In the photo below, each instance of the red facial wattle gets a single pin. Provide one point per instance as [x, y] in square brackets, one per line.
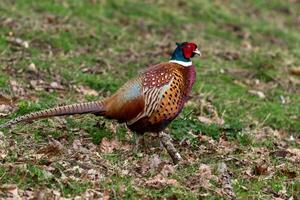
[188, 50]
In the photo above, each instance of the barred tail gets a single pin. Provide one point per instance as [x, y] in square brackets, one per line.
[95, 107]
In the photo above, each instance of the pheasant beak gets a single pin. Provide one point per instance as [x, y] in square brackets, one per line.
[197, 52]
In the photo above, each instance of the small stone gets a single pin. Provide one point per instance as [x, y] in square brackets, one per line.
[26, 44]
[54, 85]
[32, 68]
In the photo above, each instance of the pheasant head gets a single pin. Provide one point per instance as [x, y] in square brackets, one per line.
[184, 52]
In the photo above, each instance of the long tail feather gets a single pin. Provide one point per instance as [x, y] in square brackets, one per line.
[80, 108]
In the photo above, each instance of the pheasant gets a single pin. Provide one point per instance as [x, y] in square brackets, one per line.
[147, 103]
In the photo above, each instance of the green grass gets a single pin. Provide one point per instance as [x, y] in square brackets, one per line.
[101, 44]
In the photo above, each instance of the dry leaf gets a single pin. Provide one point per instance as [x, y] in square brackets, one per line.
[5, 105]
[93, 175]
[260, 169]
[142, 166]
[55, 85]
[76, 145]
[295, 71]
[16, 88]
[4, 109]
[225, 181]
[86, 91]
[289, 174]
[277, 198]
[167, 170]
[50, 150]
[19, 42]
[201, 178]
[279, 153]
[155, 162]
[92, 194]
[159, 182]
[295, 154]
[257, 93]
[3, 146]
[205, 120]
[4, 100]
[106, 195]
[107, 146]
[204, 138]
[12, 189]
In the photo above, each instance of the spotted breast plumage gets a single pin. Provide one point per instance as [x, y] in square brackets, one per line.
[165, 90]
[147, 103]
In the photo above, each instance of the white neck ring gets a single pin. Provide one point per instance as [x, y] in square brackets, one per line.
[185, 64]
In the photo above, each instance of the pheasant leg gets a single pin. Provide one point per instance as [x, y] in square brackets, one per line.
[167, 143]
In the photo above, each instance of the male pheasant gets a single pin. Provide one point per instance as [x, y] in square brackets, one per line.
[147, 103]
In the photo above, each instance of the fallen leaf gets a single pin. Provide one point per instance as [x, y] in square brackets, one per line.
[86, 91]
[50, 150]
[205, 120]
[16, 88]
[204, 138]
[201, 178]
[280, 153]
[12, 189]
[167, 170]
[295, 71]
[295, 154]
[5, 105]
[225, 181]
[92, 194]
[93, 175]
[18, 42]
[260, 169]
[257, 93]
[3, 146]
[55, 85]
[155, 162]
[4, 109]
[107, 146]
[277, 198]
[289, 174]
[159, 182]
[4, 100]
[142, 166]
[76, 145]
[106, 195]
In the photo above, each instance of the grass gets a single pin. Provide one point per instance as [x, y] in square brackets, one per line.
[100, 44]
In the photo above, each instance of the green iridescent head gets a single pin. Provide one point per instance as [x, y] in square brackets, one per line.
[185, 51]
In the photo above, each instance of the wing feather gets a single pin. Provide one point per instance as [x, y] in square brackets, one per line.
[152, 98]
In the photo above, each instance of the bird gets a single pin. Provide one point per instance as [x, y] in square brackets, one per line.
[146, 103]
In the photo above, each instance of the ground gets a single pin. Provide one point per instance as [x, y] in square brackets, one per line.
[239, 134]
